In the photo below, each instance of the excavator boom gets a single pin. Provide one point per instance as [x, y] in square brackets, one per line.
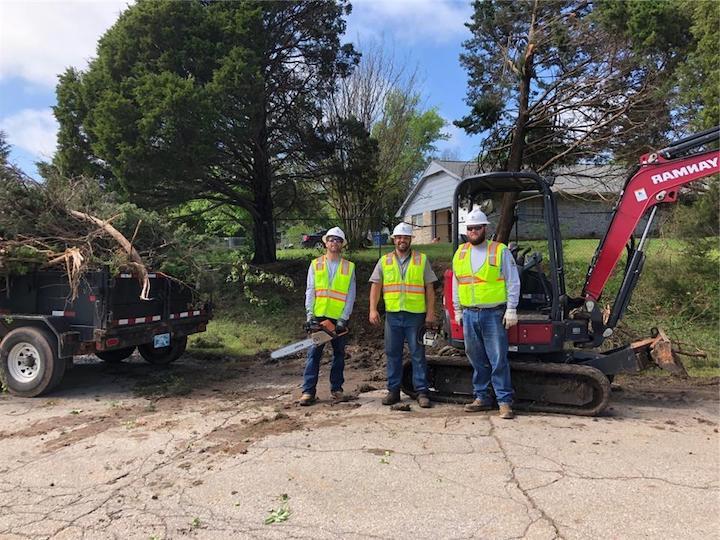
[656, 181]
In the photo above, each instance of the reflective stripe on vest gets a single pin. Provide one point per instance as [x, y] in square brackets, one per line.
[406, 294]
[487, 285]
[330, 298]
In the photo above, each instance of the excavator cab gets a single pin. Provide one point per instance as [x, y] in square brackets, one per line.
[543, 302]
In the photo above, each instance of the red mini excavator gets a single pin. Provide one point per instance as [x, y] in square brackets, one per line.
[554, 349]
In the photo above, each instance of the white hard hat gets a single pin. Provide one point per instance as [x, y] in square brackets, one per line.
[476, 217]
[402, 229]
[335, 231]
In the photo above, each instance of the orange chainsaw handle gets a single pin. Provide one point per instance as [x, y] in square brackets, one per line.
[329, 327]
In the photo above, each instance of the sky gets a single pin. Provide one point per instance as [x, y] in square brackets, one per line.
[40, 39]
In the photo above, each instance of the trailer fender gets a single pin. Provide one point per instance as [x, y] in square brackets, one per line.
[67, 341]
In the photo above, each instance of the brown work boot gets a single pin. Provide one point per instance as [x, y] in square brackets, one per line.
[506, 411]
[307, 399]
[391, 398]
[478, 405]
[424, 401]
[338, 396]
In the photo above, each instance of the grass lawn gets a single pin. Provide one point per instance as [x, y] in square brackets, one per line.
[226, 336]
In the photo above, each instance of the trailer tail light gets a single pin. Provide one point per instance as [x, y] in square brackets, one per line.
[112, 342]
[305, 238]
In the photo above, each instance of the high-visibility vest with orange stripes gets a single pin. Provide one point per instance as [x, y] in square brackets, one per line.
[404, 294]
[487, 285]
[330, 298]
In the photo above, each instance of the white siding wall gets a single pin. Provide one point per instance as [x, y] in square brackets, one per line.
[436, 192]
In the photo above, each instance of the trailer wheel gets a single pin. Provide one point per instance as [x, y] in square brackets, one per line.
[115, 356]
[163, 355]
[29, 362]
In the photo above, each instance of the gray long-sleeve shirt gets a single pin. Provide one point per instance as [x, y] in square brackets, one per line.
[310, 289]
[478, 254]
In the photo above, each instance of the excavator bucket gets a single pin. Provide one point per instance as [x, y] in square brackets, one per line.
[658, 349]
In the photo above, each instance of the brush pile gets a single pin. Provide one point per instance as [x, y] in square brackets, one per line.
[74, 225]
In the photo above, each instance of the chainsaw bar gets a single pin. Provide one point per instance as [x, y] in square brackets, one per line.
[316, 338]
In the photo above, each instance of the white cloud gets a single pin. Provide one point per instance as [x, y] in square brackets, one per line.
[40, 39]
[466, 147]
[32, 130]
[410, 21]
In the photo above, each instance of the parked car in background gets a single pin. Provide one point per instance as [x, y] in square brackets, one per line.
[311, 240]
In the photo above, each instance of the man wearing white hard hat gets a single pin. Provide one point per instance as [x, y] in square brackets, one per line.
[406, 279]
[329, 294]
[486, 291]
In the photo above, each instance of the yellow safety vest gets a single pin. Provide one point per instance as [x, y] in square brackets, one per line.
[330, 298]
[487, 285]
[404, 294]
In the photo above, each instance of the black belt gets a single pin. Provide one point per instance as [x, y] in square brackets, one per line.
[477, 308]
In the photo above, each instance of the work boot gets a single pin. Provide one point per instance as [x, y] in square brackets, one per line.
[338, 396]
[392, 397]
[307, 399]
[506, 411]
[424, 401]
[478, 405]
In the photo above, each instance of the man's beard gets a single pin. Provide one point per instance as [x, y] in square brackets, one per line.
[479, 240]
[402, 248]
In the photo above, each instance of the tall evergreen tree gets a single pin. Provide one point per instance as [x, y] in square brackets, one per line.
[205, 100]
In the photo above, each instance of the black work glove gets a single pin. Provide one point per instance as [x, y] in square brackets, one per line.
[341, 326]
[311, 324]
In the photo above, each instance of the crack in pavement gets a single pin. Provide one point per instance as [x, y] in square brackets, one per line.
[516, 482]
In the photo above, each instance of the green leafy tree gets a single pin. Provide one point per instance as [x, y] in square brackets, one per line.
[554, 82]
[700, 74]
[205, 100]
[4, 149]
[348, 158]
[406, 137]
[385, 99]
[687, 29]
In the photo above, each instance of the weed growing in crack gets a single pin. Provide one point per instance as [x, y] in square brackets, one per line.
[384, 460]
[280, 514]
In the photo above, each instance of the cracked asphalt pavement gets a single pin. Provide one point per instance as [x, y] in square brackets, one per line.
[212, 449]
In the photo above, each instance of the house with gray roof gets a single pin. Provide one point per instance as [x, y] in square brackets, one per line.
[585, 196]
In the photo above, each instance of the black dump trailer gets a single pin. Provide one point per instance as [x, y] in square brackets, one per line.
[42, 328]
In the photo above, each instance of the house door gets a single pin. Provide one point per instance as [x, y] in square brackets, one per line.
[442, 225]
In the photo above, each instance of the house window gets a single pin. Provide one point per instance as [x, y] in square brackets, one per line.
[417, 220]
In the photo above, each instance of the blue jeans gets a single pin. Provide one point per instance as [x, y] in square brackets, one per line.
[400, 327]
[312, 366]
[486, 346]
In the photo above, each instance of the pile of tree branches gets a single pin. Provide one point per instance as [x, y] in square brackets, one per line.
[74, 225]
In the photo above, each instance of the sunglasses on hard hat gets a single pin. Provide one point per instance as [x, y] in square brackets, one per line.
[475, 227]
[334, 239]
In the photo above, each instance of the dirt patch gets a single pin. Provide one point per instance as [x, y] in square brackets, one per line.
[667, 388]
[74, 427]
[235, 438]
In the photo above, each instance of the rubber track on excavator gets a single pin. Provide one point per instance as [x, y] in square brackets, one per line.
[539, 386]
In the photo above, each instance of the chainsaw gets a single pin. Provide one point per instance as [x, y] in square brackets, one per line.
[319, 334]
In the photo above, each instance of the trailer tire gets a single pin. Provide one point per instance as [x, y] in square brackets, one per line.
[164, 355]
[115, 356]
[29, 362]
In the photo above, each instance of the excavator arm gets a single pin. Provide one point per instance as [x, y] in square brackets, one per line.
[657, 180]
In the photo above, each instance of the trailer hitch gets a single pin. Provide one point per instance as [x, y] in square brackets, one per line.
[657, 349]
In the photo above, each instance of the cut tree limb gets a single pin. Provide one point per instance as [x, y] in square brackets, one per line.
[135, 259]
